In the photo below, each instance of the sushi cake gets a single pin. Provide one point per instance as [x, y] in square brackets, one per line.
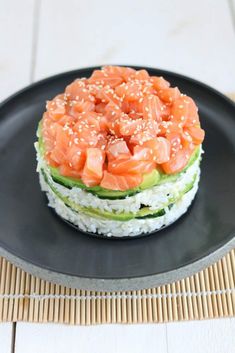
[119, 152]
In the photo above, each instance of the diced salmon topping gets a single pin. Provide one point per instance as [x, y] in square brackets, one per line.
[120, 182]
[93, 170]
[119, 124]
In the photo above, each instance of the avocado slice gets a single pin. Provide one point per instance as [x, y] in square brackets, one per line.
[150, 180]
[156, 177]
[144, 212]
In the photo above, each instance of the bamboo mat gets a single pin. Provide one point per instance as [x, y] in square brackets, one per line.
[208, 294]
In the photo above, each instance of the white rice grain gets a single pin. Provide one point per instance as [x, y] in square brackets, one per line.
[110, 228]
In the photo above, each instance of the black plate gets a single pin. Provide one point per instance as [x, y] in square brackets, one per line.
[37, 240]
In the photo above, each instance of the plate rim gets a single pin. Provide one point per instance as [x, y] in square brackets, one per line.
[120, 284]
[134, 282]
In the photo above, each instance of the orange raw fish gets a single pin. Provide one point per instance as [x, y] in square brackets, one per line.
[169, 95]
[160, 147]
[185, 111]
[76, 157]
[118, 149]
[120, 182]
[67, 171]
[152, 108]
[159, 83]
[197, 134]
[177, 162]
[93, 169]
[117, 125]
[133, 166]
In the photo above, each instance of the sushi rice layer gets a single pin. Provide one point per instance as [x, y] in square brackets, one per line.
[110, 228]
[159, 197]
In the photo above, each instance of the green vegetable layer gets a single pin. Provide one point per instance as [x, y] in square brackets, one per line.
[144, 212]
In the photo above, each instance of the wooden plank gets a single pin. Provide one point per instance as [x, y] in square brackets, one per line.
[215, 336]
[5, 337]
[49, 338]
[16, 24]
[175, 35]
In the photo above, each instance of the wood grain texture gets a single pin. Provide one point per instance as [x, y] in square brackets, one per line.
[5, 337]
[60, 339]
[190, 37]
[215, 336]
[16, 30]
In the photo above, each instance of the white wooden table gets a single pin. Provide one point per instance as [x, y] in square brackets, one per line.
[43, 37]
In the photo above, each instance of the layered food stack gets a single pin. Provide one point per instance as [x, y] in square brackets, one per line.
[119, 152]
